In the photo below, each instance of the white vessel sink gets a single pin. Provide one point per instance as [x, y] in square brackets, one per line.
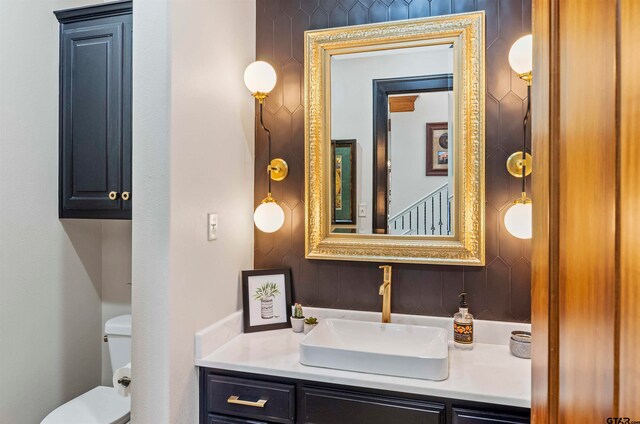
[390, 349]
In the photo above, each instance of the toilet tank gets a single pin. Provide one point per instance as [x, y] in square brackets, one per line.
[118, 331]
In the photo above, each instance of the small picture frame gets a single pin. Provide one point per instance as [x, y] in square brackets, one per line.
[437, 149]
[266, 299]
[343, 188]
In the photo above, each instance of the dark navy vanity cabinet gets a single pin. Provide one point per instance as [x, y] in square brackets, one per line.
[230, 398]
[95, 111]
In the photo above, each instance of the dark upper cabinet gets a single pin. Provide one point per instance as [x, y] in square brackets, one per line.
[95, 111]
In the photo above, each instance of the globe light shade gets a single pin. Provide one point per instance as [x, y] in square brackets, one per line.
[269, 217]
[260, 77]
[518, 220]
[521, 55]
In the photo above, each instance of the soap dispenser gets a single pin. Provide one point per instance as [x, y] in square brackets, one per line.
[463, 326]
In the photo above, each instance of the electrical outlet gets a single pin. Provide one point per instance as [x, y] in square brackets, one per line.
[362, 210]
[212, 226]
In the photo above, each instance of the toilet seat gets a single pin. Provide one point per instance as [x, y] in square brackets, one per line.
[100, 405]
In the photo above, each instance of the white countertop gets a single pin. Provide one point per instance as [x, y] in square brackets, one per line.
[488, 373]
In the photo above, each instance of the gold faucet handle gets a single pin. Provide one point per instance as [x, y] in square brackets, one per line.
[386, 279]
[387, 272]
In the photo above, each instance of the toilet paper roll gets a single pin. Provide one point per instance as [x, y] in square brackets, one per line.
[121, 387]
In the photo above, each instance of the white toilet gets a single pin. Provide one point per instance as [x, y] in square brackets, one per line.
[101, 405]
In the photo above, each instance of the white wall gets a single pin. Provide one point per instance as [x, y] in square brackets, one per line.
[50, 270]
[193, 154]
[150, 234]
[116, 280]
[408, 150]
[352, 102]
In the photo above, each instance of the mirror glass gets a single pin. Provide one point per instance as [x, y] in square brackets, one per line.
[392, 141]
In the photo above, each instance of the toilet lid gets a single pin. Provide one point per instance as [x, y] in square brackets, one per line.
[101, 405]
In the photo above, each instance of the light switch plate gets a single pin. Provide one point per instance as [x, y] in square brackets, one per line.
[212, 226]
[362, 210]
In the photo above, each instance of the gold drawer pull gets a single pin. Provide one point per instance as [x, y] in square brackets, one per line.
[125, 195]
[113, 195]
[236, 400]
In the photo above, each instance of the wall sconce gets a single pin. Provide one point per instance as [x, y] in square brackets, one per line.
[518, 218]
[260, 78]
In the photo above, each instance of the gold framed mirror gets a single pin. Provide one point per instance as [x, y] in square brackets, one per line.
[394, 141]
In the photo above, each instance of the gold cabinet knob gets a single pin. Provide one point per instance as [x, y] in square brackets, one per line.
[113, 195]
[126, 195]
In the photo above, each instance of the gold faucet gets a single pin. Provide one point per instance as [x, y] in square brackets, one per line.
[385, 292]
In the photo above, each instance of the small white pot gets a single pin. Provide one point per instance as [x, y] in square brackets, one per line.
[308, 327]
[297, 324]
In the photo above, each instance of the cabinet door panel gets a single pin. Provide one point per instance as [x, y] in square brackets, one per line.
[92, 136]
[221, 419]
[467, 416]
[279, 399]
[127, 113]
[324, 406]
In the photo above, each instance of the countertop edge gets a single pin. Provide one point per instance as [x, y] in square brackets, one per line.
[354, 382]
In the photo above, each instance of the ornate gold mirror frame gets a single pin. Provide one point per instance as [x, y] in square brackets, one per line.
[467, 246]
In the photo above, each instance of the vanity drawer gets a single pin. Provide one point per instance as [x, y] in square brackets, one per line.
[259, 400]
[325, 406]
[470, 416]
[220, 419]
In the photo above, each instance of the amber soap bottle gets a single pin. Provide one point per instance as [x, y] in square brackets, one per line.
[463, 326]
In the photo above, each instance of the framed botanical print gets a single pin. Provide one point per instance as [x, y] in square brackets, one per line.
[343, 188]
[437, 149]
[266, 299]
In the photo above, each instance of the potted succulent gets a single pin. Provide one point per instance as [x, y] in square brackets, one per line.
[265, 294]
[297, 319]
[309, 324]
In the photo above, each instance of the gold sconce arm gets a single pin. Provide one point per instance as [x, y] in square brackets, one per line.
[527, 77]
[278, 169]
[515, 164]
[260, 96]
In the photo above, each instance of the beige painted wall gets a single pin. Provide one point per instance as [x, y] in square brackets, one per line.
[193, 154]
[408, 150]
[116, 280]
[50, 270]
[150, 237]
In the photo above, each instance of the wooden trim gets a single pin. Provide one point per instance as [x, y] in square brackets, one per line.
[585, 253]
[545, 193]
[587, 178]
[93, 12]
[399, 104]
[628, 372]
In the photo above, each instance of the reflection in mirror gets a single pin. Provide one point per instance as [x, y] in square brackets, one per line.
[393, 148]
[343, 153]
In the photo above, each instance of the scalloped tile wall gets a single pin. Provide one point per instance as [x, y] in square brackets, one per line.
[499, 291]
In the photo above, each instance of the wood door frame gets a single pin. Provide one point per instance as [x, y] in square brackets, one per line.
[584, 278]
[628, 227]
[544, 264]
